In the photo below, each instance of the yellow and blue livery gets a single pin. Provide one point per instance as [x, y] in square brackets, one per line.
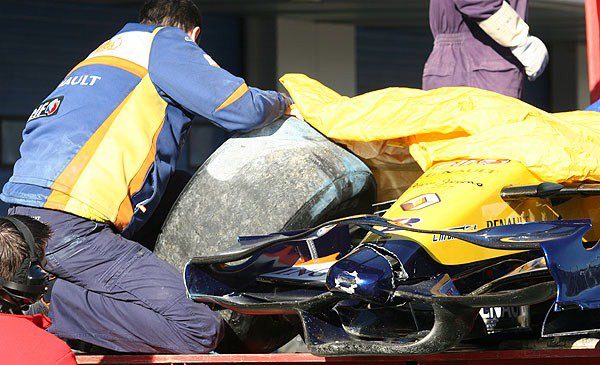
[104, 143]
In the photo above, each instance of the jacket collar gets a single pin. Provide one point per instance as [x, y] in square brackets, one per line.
[137, 27]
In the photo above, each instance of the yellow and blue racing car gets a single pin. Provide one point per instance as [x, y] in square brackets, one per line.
[405, 288]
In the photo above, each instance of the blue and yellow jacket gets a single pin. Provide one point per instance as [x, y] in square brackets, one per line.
[104, 143]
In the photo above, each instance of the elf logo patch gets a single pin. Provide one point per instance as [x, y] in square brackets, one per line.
[46, 108]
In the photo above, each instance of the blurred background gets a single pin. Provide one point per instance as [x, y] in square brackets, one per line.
[352, 46]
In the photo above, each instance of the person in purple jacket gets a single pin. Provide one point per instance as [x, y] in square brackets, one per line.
[484, 44]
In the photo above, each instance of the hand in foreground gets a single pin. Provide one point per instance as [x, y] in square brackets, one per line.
[293, 111]
[533, 55]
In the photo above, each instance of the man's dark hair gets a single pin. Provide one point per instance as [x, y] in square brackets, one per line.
[183, 14]
[14, 249]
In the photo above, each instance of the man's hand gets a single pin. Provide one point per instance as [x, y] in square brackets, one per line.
[293, 111]
[533, 55]
[508, 29]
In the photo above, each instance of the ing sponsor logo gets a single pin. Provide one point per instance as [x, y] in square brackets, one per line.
[109, 45]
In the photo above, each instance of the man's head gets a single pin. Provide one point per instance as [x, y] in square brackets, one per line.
[13, 248]
[183, 14]
[21, 281]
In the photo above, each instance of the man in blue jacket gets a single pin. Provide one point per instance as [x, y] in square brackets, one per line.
[96, 157]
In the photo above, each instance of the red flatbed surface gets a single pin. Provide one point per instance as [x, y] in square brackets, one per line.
[512, 357]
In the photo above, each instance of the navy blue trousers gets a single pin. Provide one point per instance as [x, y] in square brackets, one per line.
[114, 293]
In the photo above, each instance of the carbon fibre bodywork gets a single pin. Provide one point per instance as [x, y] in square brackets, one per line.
[386, 294]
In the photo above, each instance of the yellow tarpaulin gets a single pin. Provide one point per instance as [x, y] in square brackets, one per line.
[453, 123]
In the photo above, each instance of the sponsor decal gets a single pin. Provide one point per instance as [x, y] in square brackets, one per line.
[457, 182]
[448, 182]
[411, 222]
[306, 272]
[109, 45]
[420, 202]
[471, 162]
[469, 170]
[507, 221]
[83, 80]
[501, 319]
[498, 312]
[323, 230]
[312, 248]
[46, 108]
[347, 282]
[444, 237]
[493, 162]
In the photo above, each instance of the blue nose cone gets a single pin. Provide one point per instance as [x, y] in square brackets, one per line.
[368, 272]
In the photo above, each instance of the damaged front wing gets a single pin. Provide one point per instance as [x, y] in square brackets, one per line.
[229, 280]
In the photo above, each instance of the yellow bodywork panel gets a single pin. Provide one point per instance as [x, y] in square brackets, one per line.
[471, 143]
[465, 195]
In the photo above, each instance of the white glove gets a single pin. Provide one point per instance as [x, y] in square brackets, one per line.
[533, 55]
[509, 30]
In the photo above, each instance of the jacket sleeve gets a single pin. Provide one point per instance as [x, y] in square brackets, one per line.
[478, 10]
[188, 76]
